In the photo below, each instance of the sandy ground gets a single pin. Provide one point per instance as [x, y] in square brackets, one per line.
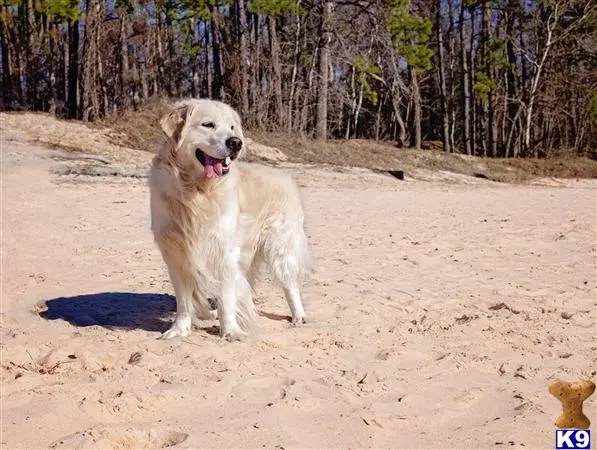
[438, 312]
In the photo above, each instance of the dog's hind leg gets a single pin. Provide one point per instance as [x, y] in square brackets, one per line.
[293, 297]
[288, 258]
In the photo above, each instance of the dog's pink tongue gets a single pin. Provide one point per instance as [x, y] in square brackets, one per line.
[213, 167]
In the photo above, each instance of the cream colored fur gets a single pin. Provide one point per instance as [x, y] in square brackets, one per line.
[214, 234]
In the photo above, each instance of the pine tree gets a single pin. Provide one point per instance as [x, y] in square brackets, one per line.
[411, 37]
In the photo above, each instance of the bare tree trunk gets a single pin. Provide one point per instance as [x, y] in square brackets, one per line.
[277, 70]
[324, 62]
[521, 44]
[357, 111]
[442, 78]
[378, 119]
[194, 62]
[353, 102]
[52, 66]
[256, 80]
[452, 71]
[496, 118]
[15, 40]
[173, 86]
[143, 61]
[208, 62]
[49, 81]
[466, 92]
[150, 64]
[485, 65]
[244, 58]
[144, 81]
[89, 99]
[416, 138]
[100, 93]
[65, 69]
[551, 23]
[124, 62]
[471, 79]
[511, 81]
[218, 82]
[135, 81]
[297, 120]
[6, 68]
[402, 132]
[160, 76]
[297, 53]
[489, 72]
[26, 46]
[100, 69]
[73, 69]
[306, 97]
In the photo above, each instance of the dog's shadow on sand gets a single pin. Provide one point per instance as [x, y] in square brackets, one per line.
[123, 310]
[118, 310]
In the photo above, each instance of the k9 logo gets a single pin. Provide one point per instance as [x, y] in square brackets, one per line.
[573, 439]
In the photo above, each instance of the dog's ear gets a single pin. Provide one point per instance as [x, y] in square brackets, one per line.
[173, 122]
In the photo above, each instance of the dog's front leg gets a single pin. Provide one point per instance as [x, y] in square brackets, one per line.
[183, 289]
[235, 302]
[227, 309]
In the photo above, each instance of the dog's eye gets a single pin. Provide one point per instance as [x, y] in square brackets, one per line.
[208, 125]
[232, 127]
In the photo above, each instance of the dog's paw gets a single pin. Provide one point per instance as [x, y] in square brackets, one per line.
[235, 335]
[172, 333]
[180, 328]
[298, 320]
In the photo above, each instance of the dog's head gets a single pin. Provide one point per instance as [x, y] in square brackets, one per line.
[206, 135]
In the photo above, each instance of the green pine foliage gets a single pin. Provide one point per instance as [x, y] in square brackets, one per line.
[60, 10]
[364, 71]
[275, 7]
[411, 35]
[483, 86]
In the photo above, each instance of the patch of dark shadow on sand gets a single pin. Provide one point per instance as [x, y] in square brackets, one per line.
[277, 317]
[114, 310]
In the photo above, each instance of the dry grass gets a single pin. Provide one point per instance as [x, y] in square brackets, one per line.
[69, 135]
[382, 156]
[140, 130]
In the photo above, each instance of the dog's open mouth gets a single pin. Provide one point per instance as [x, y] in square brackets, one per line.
[213, 167]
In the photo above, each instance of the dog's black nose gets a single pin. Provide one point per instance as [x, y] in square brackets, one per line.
[234, 144]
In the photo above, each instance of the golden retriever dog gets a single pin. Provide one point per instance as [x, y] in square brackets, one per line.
[217, 220]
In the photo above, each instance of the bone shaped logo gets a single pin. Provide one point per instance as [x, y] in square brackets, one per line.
[572, 395]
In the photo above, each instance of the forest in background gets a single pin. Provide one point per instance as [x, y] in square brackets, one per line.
[496, 78]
